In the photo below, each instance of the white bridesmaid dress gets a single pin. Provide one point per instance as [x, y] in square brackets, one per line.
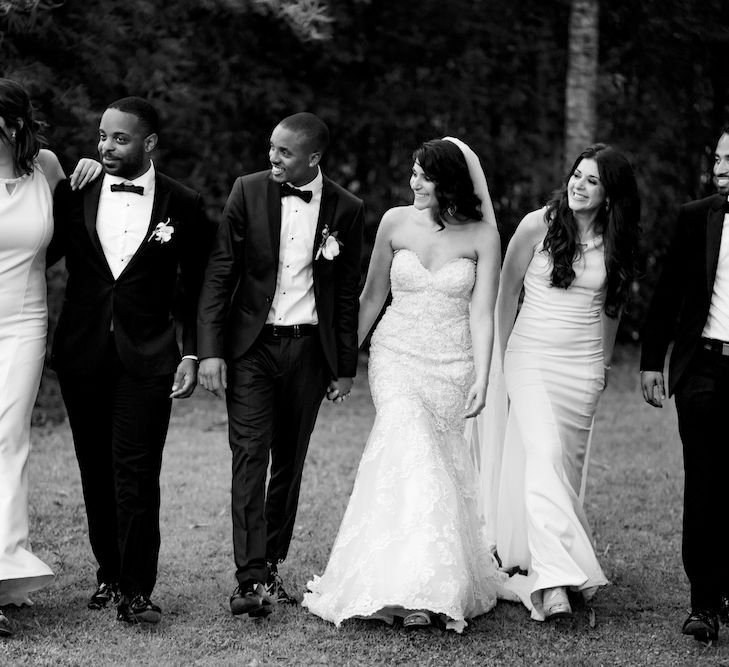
[554, 376]
[26, 228]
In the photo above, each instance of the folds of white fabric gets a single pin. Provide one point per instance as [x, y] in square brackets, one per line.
[411, 537]
[541, 525]
[20, 367]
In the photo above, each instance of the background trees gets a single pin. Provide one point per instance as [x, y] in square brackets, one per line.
[386, 75]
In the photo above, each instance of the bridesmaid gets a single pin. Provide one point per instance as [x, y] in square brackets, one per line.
[575, 260]
[28, 177]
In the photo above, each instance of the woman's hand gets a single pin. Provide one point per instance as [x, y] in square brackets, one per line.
[475, 400]
[86, 170]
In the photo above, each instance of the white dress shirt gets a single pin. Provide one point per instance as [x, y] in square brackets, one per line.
[293, 300]
[717, 324]
[123, 218]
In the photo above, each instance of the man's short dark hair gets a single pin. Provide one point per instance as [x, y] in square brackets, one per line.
[141, 109]
[311, 126]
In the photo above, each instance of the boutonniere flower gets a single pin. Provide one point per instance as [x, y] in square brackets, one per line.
[162, 233]
[329, 246]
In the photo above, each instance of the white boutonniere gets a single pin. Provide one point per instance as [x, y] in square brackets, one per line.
[329, 246]
[162, 233]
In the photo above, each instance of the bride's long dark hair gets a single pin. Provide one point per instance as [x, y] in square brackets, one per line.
[618, 221]
[444, 164]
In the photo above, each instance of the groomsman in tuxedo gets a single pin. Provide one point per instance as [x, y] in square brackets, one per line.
[125, 238]
[691, 306]
[277, 330]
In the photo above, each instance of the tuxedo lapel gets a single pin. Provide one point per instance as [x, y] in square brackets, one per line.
[159, 206]
[92, 194]
[327, 209]
[714, 225]
[273, 206]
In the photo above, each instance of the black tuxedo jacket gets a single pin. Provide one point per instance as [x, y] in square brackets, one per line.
[240, 280]
[140, 301]
[680, 304]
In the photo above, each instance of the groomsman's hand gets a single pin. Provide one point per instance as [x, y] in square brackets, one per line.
[213, 375]
[185, 379]
[654, 392]
[339, 389]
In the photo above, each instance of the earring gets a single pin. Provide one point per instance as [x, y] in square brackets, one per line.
[607, 205]
[12, 137]
[451, 210]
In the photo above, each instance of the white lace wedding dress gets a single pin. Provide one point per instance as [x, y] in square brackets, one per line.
[412, 537]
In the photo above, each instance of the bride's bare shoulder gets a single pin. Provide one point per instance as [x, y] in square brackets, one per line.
[398, 214]
[397, 218]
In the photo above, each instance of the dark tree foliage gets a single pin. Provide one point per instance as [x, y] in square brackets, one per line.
[387, 75]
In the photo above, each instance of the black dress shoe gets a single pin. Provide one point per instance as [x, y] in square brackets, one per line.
[105, 593]
[724, 609]
[5, 629]
[276, 590]
[252, 599]
[702, 624]
[138, 609]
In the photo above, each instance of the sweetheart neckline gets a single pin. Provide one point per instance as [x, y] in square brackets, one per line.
[440, 268]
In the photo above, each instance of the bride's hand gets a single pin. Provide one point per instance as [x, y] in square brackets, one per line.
[475, 400]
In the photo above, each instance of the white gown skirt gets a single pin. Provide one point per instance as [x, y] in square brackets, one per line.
[542, 527]
[21, 364]
[411, 537]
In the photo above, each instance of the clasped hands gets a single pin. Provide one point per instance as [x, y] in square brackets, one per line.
[339, 389]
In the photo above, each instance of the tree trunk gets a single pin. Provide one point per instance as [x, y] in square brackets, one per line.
[581, 90]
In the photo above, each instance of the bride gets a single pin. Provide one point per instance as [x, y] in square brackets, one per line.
[412, 544]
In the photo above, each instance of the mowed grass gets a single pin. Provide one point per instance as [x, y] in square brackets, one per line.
[633, 501]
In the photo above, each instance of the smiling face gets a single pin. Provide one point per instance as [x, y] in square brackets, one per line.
[423, 189]
[721, 165]
[585, 191]
[124, 144]
[292, 158]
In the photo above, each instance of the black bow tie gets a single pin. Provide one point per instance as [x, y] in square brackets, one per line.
[289, 190]
[126, 187]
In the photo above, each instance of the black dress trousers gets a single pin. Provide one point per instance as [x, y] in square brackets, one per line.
[273, 396]
[702, 401]
[119, 424]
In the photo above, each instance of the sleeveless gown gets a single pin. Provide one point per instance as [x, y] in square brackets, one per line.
[554, 376]
[412, 537]
[26, 227]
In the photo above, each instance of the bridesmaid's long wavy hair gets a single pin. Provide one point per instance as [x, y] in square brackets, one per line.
[444, 164]
[17, 112]
[618, 221]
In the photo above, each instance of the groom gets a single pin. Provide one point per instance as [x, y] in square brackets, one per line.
[277, 330]
[125, 238]
[692, 300]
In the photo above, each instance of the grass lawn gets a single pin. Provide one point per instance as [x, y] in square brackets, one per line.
[633, 501]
